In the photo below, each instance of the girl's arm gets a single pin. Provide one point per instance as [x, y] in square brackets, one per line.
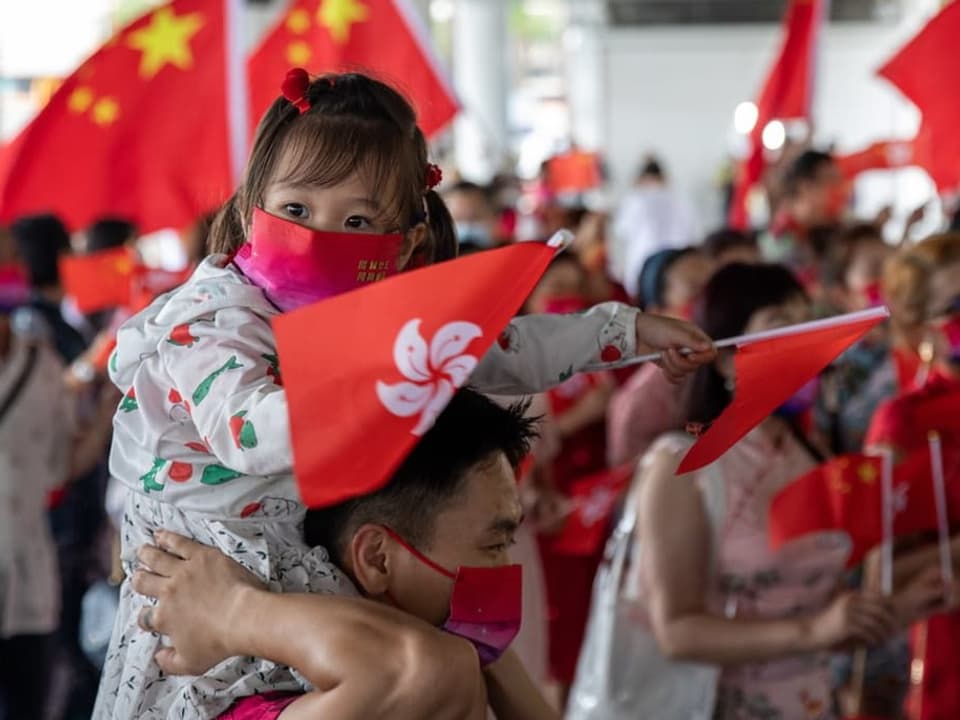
[675, 537]
[536, 352]
[366, 660]
[225, 370]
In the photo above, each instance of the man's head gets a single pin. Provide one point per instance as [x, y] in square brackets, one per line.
[454, 499]
[41, 240]
[108, 233]
[473, 212]
[815, 192]
[650, 173]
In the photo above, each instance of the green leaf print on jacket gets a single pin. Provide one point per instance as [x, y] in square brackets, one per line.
[274, 370]
[129, 402]
[218, 474]
[203, 389]
[149, 478]
[242, 431]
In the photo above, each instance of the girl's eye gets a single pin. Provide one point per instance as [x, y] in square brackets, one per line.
[357, 222]
[295, 210]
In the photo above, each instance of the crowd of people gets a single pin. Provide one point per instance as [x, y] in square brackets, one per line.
[156, 559]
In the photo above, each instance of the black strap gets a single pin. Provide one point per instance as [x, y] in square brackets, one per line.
[20, 383]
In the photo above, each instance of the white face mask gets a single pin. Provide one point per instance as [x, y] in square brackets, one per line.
[474, 233]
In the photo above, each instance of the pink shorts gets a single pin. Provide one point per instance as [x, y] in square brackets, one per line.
[259, 707]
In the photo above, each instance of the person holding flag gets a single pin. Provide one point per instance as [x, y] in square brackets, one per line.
[338, 194]
[923, 289]
[694, 616]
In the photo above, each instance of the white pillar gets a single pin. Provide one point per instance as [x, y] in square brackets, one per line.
[585, 69]
[480, 78]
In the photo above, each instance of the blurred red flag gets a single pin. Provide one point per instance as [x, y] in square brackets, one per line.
[881, 155]
[138, 131]
[919, 71]
[368, 372]
[99, 280]
[846, 494]
[575, 171]
[381, 37]
[787, 94]
[768, 372]
[594, 499]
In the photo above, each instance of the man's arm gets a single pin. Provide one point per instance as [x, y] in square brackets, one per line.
[366, 660]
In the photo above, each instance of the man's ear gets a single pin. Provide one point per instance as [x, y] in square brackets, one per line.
[370, 559]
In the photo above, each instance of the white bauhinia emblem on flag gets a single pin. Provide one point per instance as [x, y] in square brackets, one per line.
[433, 372]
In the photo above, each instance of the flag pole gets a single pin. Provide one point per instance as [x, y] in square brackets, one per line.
[943, 527]
[886, 550]
[743, 340]
[238, 126]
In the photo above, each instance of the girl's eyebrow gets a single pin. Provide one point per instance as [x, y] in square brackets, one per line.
[369, 202]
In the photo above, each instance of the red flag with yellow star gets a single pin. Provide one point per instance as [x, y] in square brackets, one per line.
[380, 37]
[138, 131]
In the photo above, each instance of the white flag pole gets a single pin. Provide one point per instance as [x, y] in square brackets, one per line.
[237, 100]
[742, 340]
[943, 527]
[889, 512]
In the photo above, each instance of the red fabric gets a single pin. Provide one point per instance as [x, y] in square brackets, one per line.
[380, 37]
[918, 71]
[259, 707]
[574, 171]
[787, 93]
[138, 131]
[768, 373]
[845, 494]
[99, 280]
[907, 364]
[405, 342]
[937, 697]
[882, 155]
[594, 499]
[904, 421]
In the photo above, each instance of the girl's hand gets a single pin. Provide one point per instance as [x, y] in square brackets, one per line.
[924, 595]
[199, 593]
[853, 617]
[666, 335]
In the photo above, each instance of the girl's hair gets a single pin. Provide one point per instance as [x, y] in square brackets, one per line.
[906, 278]
[732, 296]
[354, 124]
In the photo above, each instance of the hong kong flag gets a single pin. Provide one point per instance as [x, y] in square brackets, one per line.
[368, 372]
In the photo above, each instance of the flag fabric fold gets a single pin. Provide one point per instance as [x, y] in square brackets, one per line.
[768, 372]
[368, 372]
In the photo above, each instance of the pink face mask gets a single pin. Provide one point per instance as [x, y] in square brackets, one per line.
[486, 605]
[296, 266]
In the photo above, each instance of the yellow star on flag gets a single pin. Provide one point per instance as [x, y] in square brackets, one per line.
[298, 53]
[165, 41]
[105, 111]
[338, 16]
[298, 21]
[80, 99]
[867, 473]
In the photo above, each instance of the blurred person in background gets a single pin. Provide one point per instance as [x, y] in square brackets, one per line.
[922, 287]
[854, 385]
[648, 405]
[652, 217]
[194, 239]
[726, 246]
[474, 216]
[705, 620]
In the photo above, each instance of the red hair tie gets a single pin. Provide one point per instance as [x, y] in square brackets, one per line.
[294, 89]
[434, 176]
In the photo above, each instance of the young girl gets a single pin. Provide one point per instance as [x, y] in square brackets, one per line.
[338, 192]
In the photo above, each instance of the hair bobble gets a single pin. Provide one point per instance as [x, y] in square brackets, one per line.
[294, 89]
[434, 176]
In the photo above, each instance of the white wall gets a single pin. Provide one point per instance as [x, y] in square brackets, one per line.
[673, 90]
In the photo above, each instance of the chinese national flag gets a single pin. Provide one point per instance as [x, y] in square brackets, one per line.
[846, 494]
[575, 171]
[379, 37]
[787, 94]
[138, 131]
[881, 155]
[767, 374]
[367, 372]
[919, 71]
[99, 280]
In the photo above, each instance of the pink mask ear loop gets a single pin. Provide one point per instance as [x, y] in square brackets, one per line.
[418, 555]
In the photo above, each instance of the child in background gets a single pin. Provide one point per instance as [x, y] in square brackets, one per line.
[338, 176]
